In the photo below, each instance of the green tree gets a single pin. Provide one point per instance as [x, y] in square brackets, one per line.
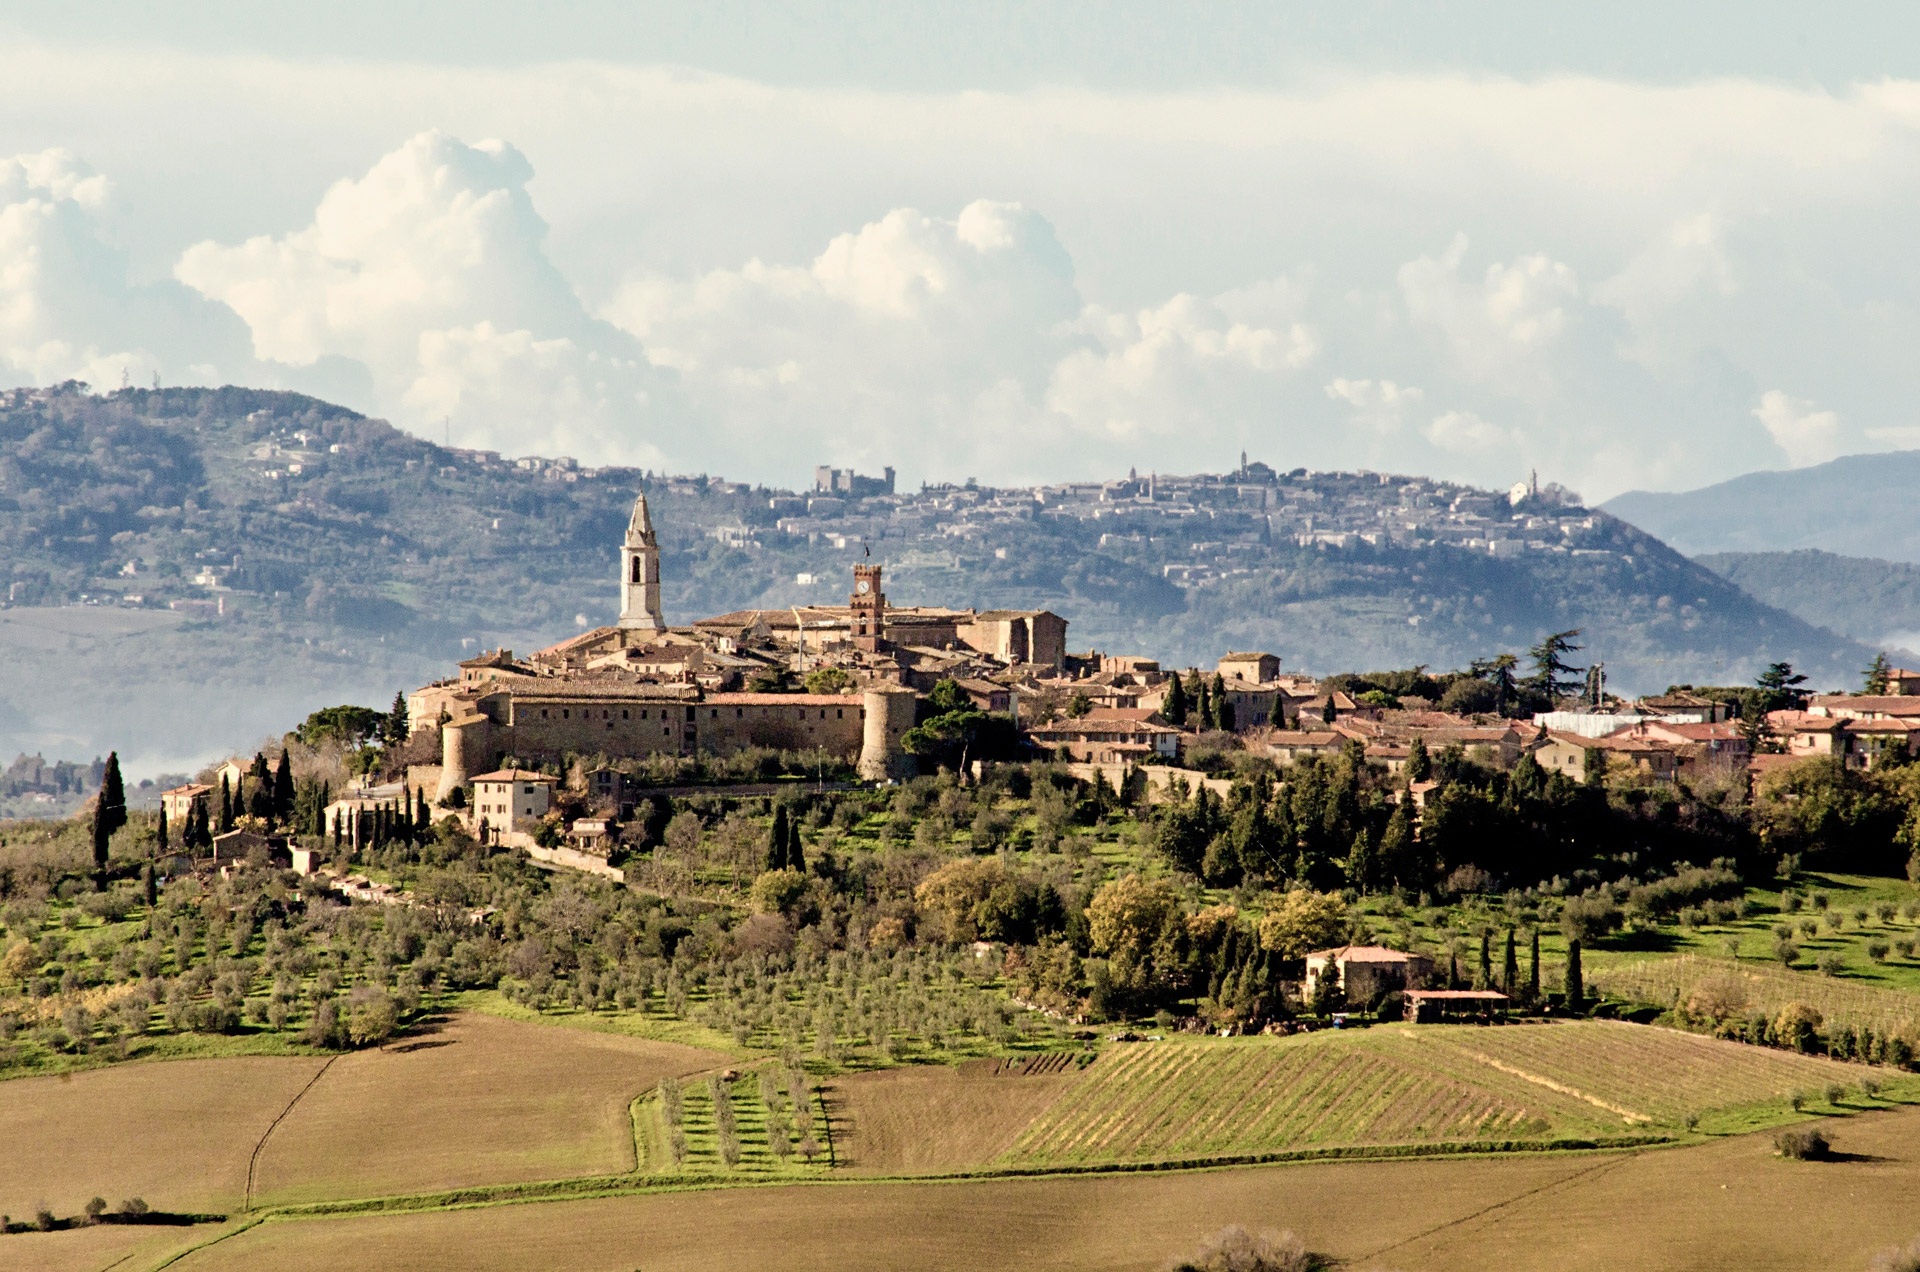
[1533, 966]
[1419, 763]
[777, 837]
[1500, 673]
[109, 814]
[1203, 705]
[828, 680]
[1301, 921]
[1277, 717]
[1875, 676]
[1553, 676]
[1576, 983]
[283, 788]
[1398, 864]
[1780, 689]
[1078, 705]
[1175, 707]
[1510, 968]
[394, 727]
[347, 726]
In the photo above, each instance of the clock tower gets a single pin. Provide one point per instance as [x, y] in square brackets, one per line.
[869, 609]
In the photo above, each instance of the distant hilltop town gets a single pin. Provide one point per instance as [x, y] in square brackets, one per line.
[853, 680]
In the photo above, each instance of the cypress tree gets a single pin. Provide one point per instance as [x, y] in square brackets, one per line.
[1175, 706]
[1229, 719]
[160, 833]
[227, 799]
[1510, 968]
[150, 885]
[283, 788]
[1222, 709]
[1362, 866]
[796, 848]
[101, 836]
[422, 819]
[777, 839]
[1486, 961]
[1576, 984]
[320, 813]
[1203, 706]
[1533, 967]
[1278, 716]
[1419, 763]
[113, 794]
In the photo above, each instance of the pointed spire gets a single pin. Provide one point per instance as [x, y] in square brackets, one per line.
[640, 525]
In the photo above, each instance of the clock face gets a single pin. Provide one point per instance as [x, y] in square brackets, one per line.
[864, 586]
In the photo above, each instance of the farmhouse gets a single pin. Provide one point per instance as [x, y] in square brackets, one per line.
[504, 799]
[1365, 972]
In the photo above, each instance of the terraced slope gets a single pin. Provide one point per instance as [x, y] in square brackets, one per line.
[1202, 1098]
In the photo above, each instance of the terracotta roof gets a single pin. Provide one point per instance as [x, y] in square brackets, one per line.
[1304, 737]
[1368, 954]
[1459, 995]
[516, 775]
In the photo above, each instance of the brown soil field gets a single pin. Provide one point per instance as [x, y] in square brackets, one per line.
[91, 1249]
[176, 1133]
[1728, 1204]
[478, 1100]
[929, 1120]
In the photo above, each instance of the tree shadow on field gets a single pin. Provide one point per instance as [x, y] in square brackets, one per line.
[422, 1035]
[1643, 941]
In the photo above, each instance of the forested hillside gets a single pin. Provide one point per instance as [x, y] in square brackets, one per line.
[186, 569]
[1877, 602]
[1857, 505]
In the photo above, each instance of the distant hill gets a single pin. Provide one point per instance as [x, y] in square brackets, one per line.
[186, 570]
[1875, 602]
[1859, 505]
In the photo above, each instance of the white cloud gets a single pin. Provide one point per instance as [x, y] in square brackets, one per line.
[430, 271]
[964, 345]
[66, 309]
[1745, 233]
[1464, 433]
[1379, 405]
[1498, 326]
[1805, 434]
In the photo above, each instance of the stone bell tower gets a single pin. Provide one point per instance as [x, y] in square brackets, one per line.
[640, 572]
[868, 606]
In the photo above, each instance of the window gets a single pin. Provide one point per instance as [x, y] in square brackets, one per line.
[566, 713]
[624, 715]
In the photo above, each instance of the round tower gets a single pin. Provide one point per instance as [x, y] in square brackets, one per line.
[887, 715]
[463, 744]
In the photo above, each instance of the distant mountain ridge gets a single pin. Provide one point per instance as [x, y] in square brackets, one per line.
[191, 568]
[1873, 601]
[1857, 505]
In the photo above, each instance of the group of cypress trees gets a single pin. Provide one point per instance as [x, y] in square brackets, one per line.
[1204, 704]
[784, 849]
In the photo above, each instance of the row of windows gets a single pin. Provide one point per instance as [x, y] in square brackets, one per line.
[606, 713]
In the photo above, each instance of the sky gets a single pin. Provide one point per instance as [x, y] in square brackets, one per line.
[1619, 245]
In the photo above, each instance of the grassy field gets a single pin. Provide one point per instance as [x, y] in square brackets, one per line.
[1389, 1086]
[177, 1134]
[1725, 1204]
[480, 1100]
[934, 1119]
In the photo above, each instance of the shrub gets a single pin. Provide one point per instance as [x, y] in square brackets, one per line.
[1878, 950]
[133, 1206]
[1237, 1250]
[96, 1208]
[1830, 965]
[1804, 1145]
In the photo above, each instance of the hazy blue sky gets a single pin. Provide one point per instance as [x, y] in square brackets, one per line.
[1630, 244]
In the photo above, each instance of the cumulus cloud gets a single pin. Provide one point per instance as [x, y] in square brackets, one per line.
[965, 341]
[67, 310]
[430, 271]
[1804, 433]
[1464, 433]
[1497, 326]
